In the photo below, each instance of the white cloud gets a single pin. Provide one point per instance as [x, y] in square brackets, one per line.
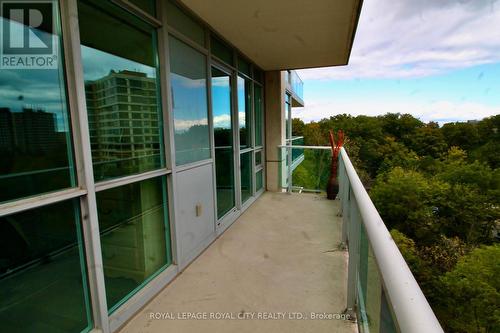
[439, 111]
[182, 125]
[409, 38]
[222, 121]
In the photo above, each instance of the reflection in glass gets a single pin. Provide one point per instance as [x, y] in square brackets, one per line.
[43, 284]
[259, 116]
[258, 180]
[258, 157]
[223, 134]
[121, 91]
[35, 135]
[246, 176]
[244, 112]
[189, 101]
[134, 236]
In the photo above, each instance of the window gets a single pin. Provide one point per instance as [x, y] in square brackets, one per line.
[134, 236]
[223, 135]
[146, 5]
[258, 75]
[259, 116]
[35, 133]
[245, 112]
[221, 50]
[181, 22]
[189, 101]
[131, 61]
[246, 176]
[43, 286]
[244, 66]
[258, 157]
[258, 180]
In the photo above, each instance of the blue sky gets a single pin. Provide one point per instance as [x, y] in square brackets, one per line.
[438, 60]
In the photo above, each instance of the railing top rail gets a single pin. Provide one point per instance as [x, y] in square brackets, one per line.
[410, 307]
[306, 147]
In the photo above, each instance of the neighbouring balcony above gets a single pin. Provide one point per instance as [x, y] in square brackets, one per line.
[295, 87]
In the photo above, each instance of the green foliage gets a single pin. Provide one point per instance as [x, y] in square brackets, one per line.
[463, 135]
[405, 200]
[471, 291]
[428, 140]
[438, 191]
[408, 249]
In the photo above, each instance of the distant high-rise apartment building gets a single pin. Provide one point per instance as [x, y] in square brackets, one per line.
[123, 117]
[31, 131]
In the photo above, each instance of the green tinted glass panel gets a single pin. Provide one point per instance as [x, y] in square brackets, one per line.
[43, 285]
[245, 112]
[258, 180]
[189, 101]
[258, 157]
[246, 175]
[287, 111]
[221, 50]
[149, 6]
[387, 322]
[259, 115]
[134, 236]
[244, 66]
[122, 91]
[223, 135]
[35, 134]
[183, 23]
[258, 75]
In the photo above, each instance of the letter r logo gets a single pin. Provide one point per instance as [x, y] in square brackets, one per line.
[27, 27]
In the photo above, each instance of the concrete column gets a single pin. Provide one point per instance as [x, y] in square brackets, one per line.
[275, 127]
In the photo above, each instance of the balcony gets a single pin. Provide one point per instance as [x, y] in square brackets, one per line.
[281, 256]
[295, 87]
[297, 255]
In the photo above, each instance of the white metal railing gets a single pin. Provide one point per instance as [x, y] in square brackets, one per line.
[382, 291]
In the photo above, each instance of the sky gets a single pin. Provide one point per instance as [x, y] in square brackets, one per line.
[438, 60]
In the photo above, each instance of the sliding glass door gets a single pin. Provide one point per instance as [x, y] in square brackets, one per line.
[223, 141]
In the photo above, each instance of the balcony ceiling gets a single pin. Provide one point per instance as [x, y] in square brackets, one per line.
[284, 34]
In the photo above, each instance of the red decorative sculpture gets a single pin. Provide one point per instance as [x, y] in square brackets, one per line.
[332, 188]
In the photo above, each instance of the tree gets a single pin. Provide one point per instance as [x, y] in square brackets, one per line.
[428, 140]
[297, 127]
[400, 126]
[405, 200]
[459, 134]
[471, 293]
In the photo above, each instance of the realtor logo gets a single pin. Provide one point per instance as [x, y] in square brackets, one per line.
[28, 38]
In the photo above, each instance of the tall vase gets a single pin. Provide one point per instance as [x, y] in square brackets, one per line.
[332, 188]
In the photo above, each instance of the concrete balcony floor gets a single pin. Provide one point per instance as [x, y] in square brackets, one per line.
[280, 256]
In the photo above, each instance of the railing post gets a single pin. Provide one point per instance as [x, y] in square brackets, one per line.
[289, 168]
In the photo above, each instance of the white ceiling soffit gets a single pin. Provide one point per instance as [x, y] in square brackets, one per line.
[284, 34]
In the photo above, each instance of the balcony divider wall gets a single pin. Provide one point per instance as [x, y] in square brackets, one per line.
[115, 190]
